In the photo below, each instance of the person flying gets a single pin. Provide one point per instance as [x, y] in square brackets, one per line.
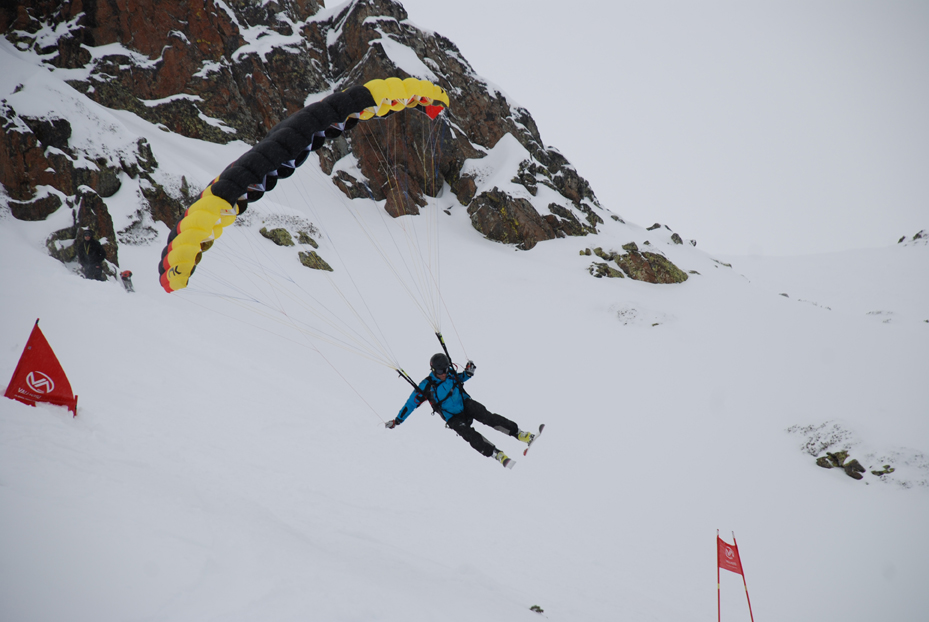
[444, 391]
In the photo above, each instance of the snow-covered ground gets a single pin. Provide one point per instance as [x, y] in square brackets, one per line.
[225, 466]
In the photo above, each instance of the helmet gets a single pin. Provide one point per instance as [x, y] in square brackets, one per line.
[439, 363]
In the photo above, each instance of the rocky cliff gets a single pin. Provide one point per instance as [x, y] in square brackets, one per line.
[220, 71]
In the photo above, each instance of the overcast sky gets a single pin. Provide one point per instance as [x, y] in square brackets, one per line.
[773, 128]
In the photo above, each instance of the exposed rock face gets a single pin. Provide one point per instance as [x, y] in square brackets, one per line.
[232, 70]
[640, 266]
[41, 172]
[651, 268]
[36, 152]
[920, 238]
[279, 236]
[423, 154]
[172, 47]
[314, 261]
[852, 468]
[600, 270]
[304, 237]
[513, 221]
[831, 444]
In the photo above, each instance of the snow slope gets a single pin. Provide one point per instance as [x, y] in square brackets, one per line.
[224, 466]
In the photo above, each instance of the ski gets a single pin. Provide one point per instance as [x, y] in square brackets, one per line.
[125, 278]
[526, 450]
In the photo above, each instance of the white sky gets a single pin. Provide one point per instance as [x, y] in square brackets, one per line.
[753, 127]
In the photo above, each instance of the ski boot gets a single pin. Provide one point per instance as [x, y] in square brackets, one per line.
[529, 438]
[501, 457]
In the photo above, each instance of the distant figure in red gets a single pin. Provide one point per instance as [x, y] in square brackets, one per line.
[91, 255]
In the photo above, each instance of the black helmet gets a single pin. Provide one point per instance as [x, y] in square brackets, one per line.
[439, 363]
[89, 231]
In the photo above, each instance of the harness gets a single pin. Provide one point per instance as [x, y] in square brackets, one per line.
[430, 394]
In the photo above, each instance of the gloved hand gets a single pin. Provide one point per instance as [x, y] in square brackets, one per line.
[390, 425]
[470, 367]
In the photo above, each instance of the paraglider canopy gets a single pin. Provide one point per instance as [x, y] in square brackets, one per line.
[276, 156]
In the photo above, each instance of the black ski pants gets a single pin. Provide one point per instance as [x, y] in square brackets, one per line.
[475, 411]
[93, 271]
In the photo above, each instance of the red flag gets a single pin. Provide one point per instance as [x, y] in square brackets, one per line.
[727, 556]
[39, 376]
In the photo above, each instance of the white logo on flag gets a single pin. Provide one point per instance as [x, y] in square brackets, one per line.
[729, 554]
[39, 382]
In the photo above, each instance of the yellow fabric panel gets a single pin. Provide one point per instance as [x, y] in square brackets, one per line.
[190, 237]
[178, 275]
[227, 217]
[397, 93]
[210, 203]
[378, 89]
[395, 88]
[186, 253]
[202, 219]
[439, 94]
[412, 88]
[415, 89]
[393, 94]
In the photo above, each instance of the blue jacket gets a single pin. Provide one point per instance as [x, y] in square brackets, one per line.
[447, 397]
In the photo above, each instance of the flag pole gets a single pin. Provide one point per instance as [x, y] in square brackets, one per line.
[719, 614]
[743, 580]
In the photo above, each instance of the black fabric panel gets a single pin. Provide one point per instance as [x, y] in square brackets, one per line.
[274, 151]
[300, 159]
[315, 120]
[301, 134]
[253, 166]
[291, 140]
[287, 139]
